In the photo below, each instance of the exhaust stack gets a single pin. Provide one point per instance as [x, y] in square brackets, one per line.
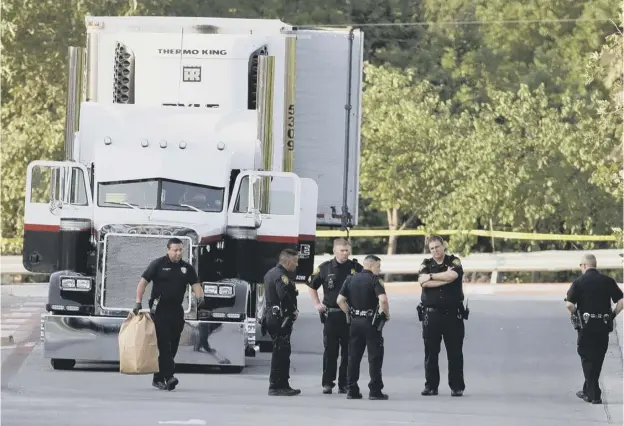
[75, 92]
[266, 76]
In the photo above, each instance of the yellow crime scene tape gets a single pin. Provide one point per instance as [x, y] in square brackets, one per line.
[414, 232]
[476, 232]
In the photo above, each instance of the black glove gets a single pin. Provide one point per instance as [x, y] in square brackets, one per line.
[200, 302]
[137, 307]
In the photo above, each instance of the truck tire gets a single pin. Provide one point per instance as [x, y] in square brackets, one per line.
[62, 364]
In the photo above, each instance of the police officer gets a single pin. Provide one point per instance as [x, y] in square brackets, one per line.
[170, 276]
[331, 275]
[590, 297]
[442, 313]
[363, 297]
[280, 314]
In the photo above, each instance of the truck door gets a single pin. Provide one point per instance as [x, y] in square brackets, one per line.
[265, 209]
[57, 198]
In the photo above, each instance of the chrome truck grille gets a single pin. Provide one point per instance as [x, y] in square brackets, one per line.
[125, 258]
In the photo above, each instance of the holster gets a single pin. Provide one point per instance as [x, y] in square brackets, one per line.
[576, 321]
[421, 313]
[154, 306]
[464, 311]
[379, 320]
[323, 316]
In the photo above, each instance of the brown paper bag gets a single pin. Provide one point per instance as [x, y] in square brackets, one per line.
[138, 348]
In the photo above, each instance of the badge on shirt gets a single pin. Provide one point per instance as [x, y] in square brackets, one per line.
[285, 280]
[183, 269]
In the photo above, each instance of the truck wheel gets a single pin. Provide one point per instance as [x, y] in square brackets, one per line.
[232, 369]
[62, 364]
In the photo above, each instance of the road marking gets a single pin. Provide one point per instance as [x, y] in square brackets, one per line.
[183, 422]
[13, 321]
[25, 309]
[20, 314]
[40, 304]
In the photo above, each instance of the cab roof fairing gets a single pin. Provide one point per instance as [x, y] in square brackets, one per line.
[137, 142]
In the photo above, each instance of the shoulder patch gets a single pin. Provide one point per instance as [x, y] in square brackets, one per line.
[353, 271]
[422, 266]
[381, 282]
[285, 280]
[456, 262]
[316, 271]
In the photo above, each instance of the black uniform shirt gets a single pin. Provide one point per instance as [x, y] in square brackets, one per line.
[593, 292]
[449, 295]
[280, 290]
[331, 275]
[170, 279]
[362, 290]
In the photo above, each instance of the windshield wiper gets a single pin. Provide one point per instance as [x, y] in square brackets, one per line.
[186, 205]
[125, 203]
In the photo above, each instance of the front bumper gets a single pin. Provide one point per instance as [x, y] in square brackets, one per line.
[92, 338]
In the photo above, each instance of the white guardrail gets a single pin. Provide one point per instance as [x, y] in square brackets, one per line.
[551, 260]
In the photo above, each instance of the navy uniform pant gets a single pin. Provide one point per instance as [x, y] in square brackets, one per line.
[447, 325]
[335, 341]
[280, 359]
[592, 348]
[169, 323]
[362, 335]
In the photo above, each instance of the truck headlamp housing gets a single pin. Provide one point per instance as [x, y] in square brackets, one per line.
[220, 290]
[76, 283]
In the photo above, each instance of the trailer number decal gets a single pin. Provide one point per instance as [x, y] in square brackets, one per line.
[191, 74]
[304, 251]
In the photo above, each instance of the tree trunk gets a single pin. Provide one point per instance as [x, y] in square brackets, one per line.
[393, 225]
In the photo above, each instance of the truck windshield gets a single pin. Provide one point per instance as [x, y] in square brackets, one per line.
[160, 194]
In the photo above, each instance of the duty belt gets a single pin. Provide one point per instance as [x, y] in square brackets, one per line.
[359, 313]
[333, 310]
[587, 316]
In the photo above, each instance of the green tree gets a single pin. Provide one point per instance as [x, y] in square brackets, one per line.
[410, 145]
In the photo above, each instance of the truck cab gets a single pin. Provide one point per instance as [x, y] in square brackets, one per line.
[238, 136]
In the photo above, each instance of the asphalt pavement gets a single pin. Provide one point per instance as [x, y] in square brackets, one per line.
[521, 368]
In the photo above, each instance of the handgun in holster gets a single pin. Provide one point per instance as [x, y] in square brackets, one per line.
[575, 319]
[379, 320]
[154, 306]
[421, 312]
[323, 316]
[609, 320]
[464, 311]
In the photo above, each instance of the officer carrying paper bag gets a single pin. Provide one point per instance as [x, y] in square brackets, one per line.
[138, 347]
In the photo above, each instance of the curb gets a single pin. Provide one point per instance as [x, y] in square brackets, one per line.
[25, 290]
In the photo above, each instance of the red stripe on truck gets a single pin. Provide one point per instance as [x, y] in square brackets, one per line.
[41, 228]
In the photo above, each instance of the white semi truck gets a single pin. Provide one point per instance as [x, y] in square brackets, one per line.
[239, 136]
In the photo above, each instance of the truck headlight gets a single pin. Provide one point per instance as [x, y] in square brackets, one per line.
[210, 289]
[76, 283]
[68, 283]
[226, 290]
[83, 284]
